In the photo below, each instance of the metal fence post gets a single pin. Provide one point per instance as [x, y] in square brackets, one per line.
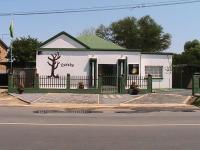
[193, 93]
[149, 84]
[36, 82]
[196, 84]
[122, 84]
[68, 81]
[99, 83]
[10, 83]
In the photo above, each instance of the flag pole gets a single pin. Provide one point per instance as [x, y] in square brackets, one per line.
[11, 65]
[11, 46]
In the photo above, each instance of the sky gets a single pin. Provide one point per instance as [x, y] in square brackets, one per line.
[181, 21]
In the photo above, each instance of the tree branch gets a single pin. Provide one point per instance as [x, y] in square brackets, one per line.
[50, 58]
[53, 55]
[49, 64]
[57, 58]
[57, 65]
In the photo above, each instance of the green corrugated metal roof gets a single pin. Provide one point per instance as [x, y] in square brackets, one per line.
[96, 42]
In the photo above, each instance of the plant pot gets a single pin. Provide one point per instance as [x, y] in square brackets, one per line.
[81, 87]
[20, 91]
[133, 91]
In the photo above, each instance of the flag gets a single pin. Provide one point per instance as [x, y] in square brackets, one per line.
[11, 30]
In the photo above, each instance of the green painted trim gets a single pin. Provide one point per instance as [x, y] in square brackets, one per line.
[149, 84]
[93, 60]
[193, 91]
[83, 49]
[122, 50]
[78, 91]
[68, 35]
[63, 49]
[99, 83]
[68, 81]
[10, 83]
[157, 53]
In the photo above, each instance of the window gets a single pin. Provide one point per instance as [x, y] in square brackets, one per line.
[155, 71]
[133, 69]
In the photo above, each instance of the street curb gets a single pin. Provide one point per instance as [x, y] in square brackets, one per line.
[111, 106]
[19, 99]
[108, 107]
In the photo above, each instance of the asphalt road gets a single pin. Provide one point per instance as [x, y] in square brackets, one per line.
[21, 129]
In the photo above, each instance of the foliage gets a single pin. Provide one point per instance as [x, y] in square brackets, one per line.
[89, 31]
[24, 49]
[80, 85]
[132, 33]
[134, 90]
[20, 87]
[190, 55]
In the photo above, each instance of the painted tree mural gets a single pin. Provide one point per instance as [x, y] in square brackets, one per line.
[54, 64]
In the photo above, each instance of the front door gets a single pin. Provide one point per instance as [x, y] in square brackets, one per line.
[109, 78]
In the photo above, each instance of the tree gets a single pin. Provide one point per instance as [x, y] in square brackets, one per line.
[54, 64]
[190, 45]
[24, 49]
[190, 55]
[132, 33]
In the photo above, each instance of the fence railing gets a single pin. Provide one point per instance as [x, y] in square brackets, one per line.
[140, 81]
[108, 84]
[23, 81]
[85, 81]
[52, 83]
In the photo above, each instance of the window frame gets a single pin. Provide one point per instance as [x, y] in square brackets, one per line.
[138, 66]
[156, 74]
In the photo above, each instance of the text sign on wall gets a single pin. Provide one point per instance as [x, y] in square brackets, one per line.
[54, 63]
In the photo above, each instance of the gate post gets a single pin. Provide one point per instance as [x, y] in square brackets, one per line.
[36, 82]
[149, 84]
[68, 81]
[122, 84]
[10, 83]
[99, 83]
[196, 83]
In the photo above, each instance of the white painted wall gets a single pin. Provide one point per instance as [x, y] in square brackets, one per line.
[158, 60]
[80, 62]
[62, 41]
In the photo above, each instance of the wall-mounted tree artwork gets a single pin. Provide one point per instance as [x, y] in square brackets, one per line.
[54, 64]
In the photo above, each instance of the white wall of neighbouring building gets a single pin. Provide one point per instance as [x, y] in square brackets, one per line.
[158, 60]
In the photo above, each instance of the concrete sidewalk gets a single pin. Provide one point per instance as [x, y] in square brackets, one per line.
[164, 99]
[67, 100]
[103, 99]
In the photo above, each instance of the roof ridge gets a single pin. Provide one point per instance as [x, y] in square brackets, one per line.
[68, 35]
[4, 44]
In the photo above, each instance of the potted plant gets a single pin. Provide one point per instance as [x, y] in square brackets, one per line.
[134, 90]
[80, 85]
[20, 88]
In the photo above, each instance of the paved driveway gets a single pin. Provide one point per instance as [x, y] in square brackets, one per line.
[162, 97]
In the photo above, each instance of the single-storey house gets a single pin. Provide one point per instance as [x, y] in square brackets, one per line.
[3, 59]
[89, 55]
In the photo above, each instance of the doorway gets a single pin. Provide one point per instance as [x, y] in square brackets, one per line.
[109, 78]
